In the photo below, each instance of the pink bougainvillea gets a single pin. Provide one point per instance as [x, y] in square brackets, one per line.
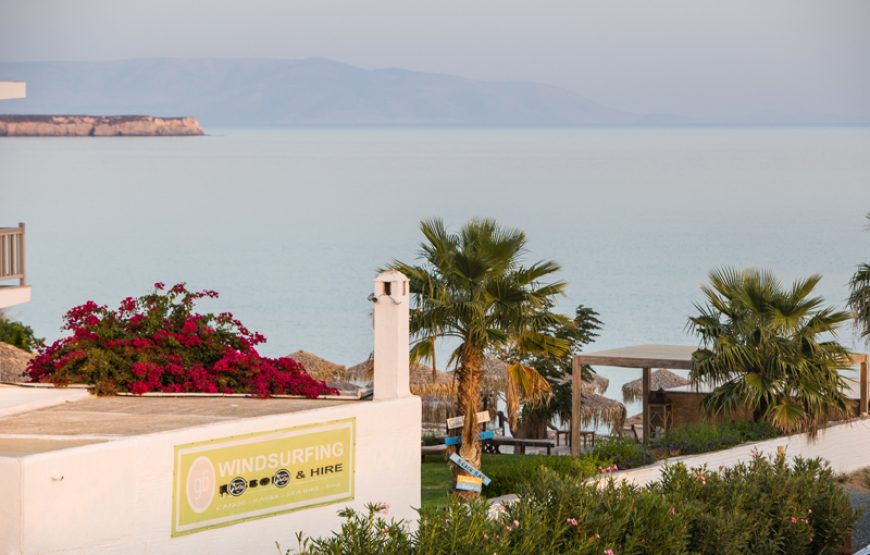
[158, 343]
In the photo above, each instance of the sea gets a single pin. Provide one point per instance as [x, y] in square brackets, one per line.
[291, 224]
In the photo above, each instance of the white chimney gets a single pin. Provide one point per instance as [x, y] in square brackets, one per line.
[392, 313]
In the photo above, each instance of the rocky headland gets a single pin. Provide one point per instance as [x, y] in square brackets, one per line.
[96, 126]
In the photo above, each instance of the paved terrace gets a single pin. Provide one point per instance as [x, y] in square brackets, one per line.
[78, 418]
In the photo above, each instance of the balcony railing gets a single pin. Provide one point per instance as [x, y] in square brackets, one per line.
[13, 262]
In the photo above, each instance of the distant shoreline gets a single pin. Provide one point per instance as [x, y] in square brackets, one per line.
[97, 126]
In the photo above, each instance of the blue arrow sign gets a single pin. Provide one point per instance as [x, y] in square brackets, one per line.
[466, 466]
[456, 440]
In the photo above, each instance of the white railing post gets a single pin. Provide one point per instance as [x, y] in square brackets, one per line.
[391, 317]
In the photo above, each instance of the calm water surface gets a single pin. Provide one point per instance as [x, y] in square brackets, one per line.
[290, 224]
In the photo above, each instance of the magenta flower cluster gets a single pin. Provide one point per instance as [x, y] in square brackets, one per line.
[159, 343]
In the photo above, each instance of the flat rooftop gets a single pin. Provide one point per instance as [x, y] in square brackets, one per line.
[91, 419]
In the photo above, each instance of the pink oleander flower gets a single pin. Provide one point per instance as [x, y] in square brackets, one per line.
[571, 521]
[793, 520]
[673, 510]
[608, 551]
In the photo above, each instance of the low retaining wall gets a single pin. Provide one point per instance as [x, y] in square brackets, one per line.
[846, 446]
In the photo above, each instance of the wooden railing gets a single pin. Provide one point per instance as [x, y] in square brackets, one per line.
[13, 262]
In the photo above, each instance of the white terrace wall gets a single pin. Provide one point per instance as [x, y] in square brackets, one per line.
[846, 446]
[116, 497]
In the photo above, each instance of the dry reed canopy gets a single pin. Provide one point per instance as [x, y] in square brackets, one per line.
[596, 410]
[13, 363]
[660, 379]
[319, 368]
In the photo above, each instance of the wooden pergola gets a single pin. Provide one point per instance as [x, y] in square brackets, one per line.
[647, 357]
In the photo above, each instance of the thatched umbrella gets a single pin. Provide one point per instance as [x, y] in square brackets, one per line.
[319, 368]
[13, 363]
[660, 379]
[597, 409]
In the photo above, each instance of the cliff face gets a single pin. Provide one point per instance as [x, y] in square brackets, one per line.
[96, 126]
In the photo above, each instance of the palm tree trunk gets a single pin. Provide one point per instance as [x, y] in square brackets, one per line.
[468, 396]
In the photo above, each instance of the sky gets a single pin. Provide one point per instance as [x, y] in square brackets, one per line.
[686, 57]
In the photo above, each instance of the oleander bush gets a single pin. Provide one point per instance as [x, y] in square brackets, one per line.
[764, 506]
[159, 343]
[702, 437]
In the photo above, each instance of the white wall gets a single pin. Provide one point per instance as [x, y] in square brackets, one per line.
[12, 89]
[11, 295]
[845, 446]
[116, 497]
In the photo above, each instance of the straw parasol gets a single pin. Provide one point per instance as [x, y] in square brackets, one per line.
[660, 379]
[13, 363]
[319, 368]
[597, 409]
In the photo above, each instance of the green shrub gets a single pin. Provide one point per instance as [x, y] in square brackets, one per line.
[623, 452]
[701, 437]
[509, 473]
[764, 507]
[18, 334]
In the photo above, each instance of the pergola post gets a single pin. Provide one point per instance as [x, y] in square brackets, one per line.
[646, 380]
[862, 403]
[576, 385]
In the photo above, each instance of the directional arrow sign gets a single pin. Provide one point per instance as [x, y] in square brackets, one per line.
[456, 440]
[466, 466]
[468, 483]
[458, 421]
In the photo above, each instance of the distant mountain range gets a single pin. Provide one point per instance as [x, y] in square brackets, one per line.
[302, 92]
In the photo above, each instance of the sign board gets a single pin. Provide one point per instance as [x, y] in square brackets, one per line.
[456, 440]
[468, 483]
[228, 480]
[466, 466]
[459, 421]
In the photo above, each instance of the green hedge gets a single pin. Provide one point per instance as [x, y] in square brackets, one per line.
[701, 437]
[510, 473]
[762, 507]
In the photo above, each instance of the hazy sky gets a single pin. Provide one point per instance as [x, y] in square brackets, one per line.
[692, 57]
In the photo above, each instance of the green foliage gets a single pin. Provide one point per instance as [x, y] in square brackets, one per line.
[768, 348]
[578, 333]
[764, 506]
[18, 334]
[472, 286]
[510, 473]
[365, 532]
[859, 297]
[701, 437]
[623, 452]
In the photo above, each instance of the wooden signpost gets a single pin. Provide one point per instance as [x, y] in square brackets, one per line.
[466, 466]
[457, 440]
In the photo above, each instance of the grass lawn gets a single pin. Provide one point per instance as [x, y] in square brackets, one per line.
[435, 481]
[506, 471]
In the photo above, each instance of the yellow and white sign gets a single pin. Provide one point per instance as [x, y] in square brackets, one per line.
[224, 481]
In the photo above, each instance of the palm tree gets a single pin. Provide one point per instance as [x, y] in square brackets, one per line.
[770, 349]
[471, 286]
[859, 298]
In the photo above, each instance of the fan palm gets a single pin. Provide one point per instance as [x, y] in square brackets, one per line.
[859, 298]
[770, 349]
[473, 287]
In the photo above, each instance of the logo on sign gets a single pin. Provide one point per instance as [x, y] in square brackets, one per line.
[200, 484]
